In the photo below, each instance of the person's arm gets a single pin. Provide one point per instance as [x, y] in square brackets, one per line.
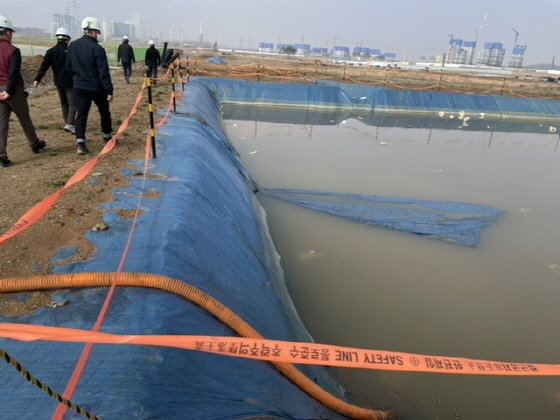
[14, 72]
[69, 60]
[133, 58]
[102, 63]
[47, 62]
[119, 53]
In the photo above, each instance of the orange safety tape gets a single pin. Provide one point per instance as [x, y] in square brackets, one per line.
[80, 365]
[288, 352]
[164, 118]
[161, 78]
[201, 299]
[41, 208]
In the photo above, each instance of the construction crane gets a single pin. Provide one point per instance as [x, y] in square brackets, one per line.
[450, 39]
[476, 32]
[447, 53]
[334, 37]
[200, 36]
[516, 36]
[513, 62]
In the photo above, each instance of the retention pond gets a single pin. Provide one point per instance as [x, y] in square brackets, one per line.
[370, 287]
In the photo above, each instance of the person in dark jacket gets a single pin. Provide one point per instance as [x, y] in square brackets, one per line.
[55, 57]
[152, 60]
[13, 97]
[88, 64]
[125, 54]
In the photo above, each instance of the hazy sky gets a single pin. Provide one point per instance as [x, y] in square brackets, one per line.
[410, 28]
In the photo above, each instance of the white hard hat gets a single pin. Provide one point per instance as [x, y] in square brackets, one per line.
[151, 42]
[62, 33]
[6, 23]
[125, 38]
[91, 23]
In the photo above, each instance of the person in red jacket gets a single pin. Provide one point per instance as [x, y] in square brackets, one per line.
[55, 57]
[13, 97]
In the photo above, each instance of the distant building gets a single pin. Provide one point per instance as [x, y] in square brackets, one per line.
[517, 56]
[390, 56]
[73, 24]
[120, 29]
[455, 52]
[69, 22]
[319, 51]
[302, 49]
[460, 52]
[284, 47]
[492, 54]
[360, 52]
[469, 48]
[341, 51]
[266, 47]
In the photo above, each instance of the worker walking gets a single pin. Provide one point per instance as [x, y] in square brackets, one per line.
[55, 58]
[152, 60]
[13, 97]
[125, 55]
[88, 64]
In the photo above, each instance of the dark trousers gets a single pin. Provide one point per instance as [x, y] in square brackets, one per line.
[68, 104]
[84, 98]
[152, 71]
[17, 103]
[127, 69]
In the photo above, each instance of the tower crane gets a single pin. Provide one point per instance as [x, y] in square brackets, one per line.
[513, 61]
[476, 32]
[334, 37]
[516, 36]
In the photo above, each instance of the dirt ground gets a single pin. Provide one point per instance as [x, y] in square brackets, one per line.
[32, 177]
[309, 70]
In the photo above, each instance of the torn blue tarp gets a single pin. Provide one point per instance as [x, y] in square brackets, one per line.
[451, 221]
[216, 60]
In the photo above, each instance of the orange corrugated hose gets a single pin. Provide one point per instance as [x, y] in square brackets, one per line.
[198, 297]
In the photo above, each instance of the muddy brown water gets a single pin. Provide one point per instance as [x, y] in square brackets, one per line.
[369, 287]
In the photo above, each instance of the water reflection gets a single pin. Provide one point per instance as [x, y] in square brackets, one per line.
[306, 119]
[449, 121]
[367, 287]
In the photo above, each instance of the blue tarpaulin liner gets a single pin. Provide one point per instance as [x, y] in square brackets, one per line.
[203, 226]
[277, 94]
[363, 100]
[216, 60]
[454, 222]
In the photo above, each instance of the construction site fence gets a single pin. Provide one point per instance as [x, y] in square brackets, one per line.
[390, 77]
